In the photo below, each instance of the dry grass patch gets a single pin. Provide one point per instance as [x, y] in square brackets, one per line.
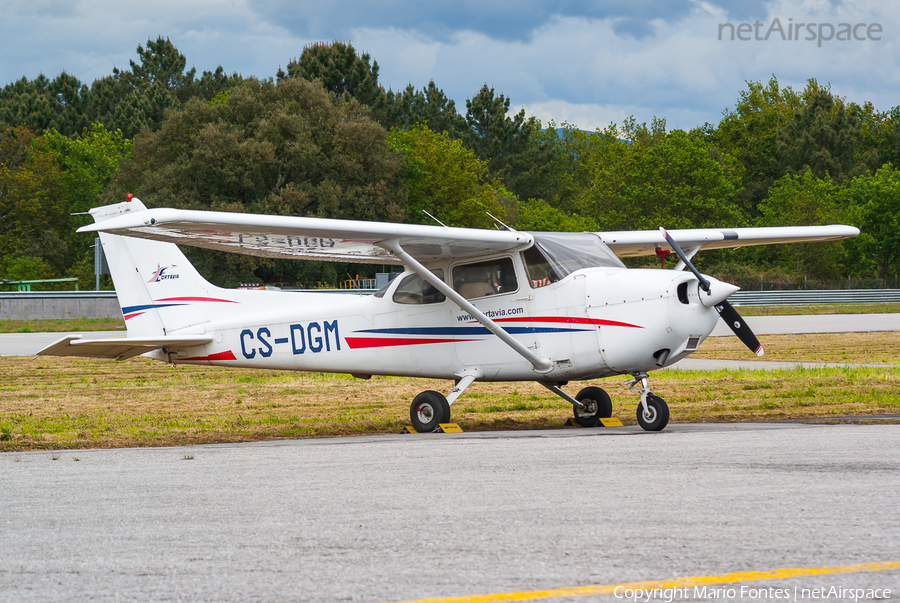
[886, 308]
[56, 403]
[855, 348]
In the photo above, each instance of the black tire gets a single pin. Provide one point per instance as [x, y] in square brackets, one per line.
[598, 406]
[659, 414]
[428, 410]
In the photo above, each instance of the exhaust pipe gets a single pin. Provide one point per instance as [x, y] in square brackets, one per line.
[661, 357]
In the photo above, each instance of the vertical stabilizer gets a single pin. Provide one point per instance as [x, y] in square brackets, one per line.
[159, 290]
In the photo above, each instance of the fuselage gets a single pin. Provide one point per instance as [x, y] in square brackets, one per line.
[594, 322]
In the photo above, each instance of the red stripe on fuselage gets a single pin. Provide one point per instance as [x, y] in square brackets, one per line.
[572, 320]
[228, 355]
[208, 299]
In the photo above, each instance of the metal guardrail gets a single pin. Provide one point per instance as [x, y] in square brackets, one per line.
[57, 294]
[814, 297]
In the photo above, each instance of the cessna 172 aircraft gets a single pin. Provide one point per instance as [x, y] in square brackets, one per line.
[473, 305]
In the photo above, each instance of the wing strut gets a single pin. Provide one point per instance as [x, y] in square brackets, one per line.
[541, 365]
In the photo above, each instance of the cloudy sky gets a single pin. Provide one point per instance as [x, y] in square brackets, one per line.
[585, 62]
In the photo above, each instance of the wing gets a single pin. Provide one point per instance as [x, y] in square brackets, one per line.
[305, 238]
[120, 348]
[645, 242]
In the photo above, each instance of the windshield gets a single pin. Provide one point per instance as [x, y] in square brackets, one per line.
[562, 253]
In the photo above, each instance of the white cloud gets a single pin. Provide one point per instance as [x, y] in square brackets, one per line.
[581, 69]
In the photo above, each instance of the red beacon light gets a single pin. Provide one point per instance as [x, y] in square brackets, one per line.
[130, 196]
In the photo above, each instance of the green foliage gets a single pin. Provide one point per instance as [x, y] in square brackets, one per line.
[62, 103]
[510, 145]
[676, 183]
[87, 163]
[538, 215]
[33, 212]
[429, 106]
[804, 200]
[572, 152]
[447, 180]
[289, 148]
[218, 142]
[24, 268]
[339, 69]
[873, 203]
[125, 100]
[824, 136]
[749, 133]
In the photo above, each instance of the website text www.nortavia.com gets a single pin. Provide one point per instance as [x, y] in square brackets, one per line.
[791, 31]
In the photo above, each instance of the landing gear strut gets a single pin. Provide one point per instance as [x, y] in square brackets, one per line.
[652, 412]
[430, 408]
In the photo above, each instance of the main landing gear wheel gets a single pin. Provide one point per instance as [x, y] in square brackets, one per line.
[428, 410]
[597, 405]
[657, 415]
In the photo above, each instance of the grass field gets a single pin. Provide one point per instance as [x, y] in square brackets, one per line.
[58, 403]
[62, 325]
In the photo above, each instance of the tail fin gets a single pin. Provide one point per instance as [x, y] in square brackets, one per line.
[159, 291]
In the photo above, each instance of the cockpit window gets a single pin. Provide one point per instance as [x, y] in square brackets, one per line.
[556, 255]
[485, 278]
[414, 290]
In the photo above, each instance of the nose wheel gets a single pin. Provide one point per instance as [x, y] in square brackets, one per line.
[652, 412]
[656, 416]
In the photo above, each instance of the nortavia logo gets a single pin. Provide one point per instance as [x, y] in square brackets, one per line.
[161, 274]
[810, 32]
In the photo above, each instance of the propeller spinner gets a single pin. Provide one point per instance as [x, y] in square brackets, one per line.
[731, 317]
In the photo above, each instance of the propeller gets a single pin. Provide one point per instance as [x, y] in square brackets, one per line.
[731, 317]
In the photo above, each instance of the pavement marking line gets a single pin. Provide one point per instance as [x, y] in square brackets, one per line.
[608, 589]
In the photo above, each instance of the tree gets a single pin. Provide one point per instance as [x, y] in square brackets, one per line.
[61, 104]
[429, 106]
[339, 69]
[289, 148]
[33, 212]
[162, 65]
[87, 164]
[677, 183]
[749, 133]
[538, 215]
[509, 144]
[572, 153]
[873, 204]
[824, 136]
[449, 181]
[804, 200]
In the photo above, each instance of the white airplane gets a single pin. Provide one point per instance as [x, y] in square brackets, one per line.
[472, 305]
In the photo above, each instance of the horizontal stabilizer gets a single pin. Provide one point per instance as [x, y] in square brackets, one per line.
[120, 348]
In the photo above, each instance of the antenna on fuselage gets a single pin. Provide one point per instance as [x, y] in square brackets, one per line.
[435, 219]
[494, 218]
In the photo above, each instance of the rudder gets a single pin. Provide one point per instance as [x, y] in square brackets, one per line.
[157, 287]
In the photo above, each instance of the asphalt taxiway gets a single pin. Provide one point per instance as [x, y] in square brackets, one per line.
[500, 516]
[398, 518]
